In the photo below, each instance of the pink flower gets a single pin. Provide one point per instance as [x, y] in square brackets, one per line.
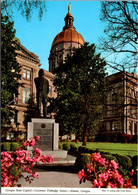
[6, 181]
[38, 151]
[104, 176]
[96, 157]
[25, 144]
[32, 142]
[35, 175]
[97, 184]
[81, 174]
[23, 160]
[114, 164]
[37, 138]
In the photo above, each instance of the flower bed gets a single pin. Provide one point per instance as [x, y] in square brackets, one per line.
[13, 163]
[105, 174]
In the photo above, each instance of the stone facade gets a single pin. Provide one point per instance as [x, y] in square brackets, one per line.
[121, 103]
[25, 104]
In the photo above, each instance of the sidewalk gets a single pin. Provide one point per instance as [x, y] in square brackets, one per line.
[56, 175]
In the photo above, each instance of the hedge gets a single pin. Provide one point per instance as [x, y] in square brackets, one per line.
[73, 147]
[124, 161]
[15, 170]
[81, 162]
[135, 162]
[6, 146]
[14, 145]
[66, 146]
[109, 157]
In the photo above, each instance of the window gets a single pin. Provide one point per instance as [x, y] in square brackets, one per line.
[130, 125]
[26, 74]
[114, 126]
[50, 89]
[14, 119]
[26, 95]
[135, 128]
[114, 97]
[10, 135]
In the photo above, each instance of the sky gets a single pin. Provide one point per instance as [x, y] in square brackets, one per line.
[37, 36]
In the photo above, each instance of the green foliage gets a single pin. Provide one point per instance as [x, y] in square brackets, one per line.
[109, 157]
[103, 152]
[135, 162]
[73, 147]
[124, 161]
[6, 146]
[81, 162]
[14, 145]
[91, 151]
[15, 170]
[81, 149]
[60, 146]
[9, 69]
[79, 104]
[66, 146]
[26, 8]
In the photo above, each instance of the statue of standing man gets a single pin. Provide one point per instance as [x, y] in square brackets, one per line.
[42, 90]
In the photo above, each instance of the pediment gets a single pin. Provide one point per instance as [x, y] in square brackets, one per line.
[22, 51]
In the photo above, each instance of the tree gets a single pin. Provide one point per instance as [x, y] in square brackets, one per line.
[25, 7]
[10, 69]
[80, 90]
[121, 33]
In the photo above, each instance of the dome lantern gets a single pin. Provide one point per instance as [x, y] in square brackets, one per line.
[69, 19]
[64, 42]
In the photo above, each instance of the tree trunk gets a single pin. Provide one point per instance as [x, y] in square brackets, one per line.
[85, 124]
[85, 135]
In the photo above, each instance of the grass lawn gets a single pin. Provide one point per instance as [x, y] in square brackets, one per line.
[113, 148]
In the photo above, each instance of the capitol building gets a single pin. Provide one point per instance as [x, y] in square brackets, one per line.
[117, 118]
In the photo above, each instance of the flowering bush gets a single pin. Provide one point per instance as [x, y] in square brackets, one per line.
[105, 174]
[12, 163]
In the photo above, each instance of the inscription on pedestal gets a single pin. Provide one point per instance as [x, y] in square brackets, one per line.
[45, 131]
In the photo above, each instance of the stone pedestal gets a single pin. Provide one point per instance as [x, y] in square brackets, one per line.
[48, 131]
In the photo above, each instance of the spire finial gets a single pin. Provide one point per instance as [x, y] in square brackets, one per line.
[69, 7]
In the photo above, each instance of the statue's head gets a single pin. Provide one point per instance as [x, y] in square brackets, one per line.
[41, 72]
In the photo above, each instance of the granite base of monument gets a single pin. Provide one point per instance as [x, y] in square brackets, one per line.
[48, 131]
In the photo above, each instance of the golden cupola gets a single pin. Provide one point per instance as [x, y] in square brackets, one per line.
[64, 42]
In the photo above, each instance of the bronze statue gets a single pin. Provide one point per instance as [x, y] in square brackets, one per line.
[42, 90]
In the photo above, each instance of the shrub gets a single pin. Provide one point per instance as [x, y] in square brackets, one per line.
[73, 147]
[109, 157]
[134, 161]
[105, 174]
[15, 170]
[14, 145]
[13, 163]
[6, 146]
[135, 139]
[125, 138]
[124, 161]
[82, 161]
[86, 150]
[97, 151]
[92, 151]
[66, 146]
[103, 152]
[81, 149]
[60, 146]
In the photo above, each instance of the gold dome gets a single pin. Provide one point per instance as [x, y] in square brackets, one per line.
[68, 35]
